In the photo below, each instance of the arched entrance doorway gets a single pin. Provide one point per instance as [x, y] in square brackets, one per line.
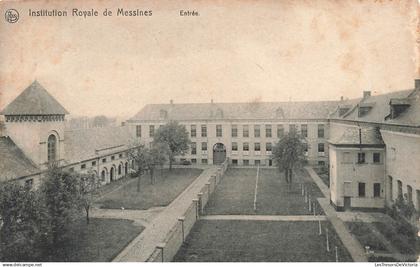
[219, 153]
[126, 168]
[112, 174]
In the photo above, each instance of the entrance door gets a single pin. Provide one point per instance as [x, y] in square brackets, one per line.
[347, 203]
[219, 153]
[112, 174]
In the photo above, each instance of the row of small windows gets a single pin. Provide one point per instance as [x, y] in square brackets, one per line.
[361, 158]
[245, 147]
[245, 130]
[376, 190]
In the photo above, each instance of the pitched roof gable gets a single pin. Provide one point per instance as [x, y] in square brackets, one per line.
[34, 100]
[14, 164]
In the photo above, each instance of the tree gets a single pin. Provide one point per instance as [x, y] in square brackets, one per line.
[175, 136]
[155, 157]
[61, 198]
[22, 227]
[138, 153]
[289, 154]
[100, 121]
[88, 183]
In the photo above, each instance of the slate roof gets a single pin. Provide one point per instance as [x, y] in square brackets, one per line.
[14, 163]
[246, 111]
[85, 144]
[351, 136]
[411, 116]
[379, 107]
[34, 100]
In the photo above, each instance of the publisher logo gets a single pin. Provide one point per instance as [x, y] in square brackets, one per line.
[11, 15]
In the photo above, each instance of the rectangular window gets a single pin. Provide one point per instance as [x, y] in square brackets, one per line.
[234, 130]
[203, 130]
[280, 131]
[292, 128]
[234, 162]
[194, 161]
[245, 146]
[268, 131]
[234, 146]
[257, 131]
[320, 130]
[268, 146]
[257, 147]
[83, 166]
[120, 155]
[376, 190]
[138, 130]
[103, 160]
[409, 193]
[362, 192]
[321, 147]
[361, 158]
[203, 146]
[257, 162]
[219, 132]
[93, 163]
[304, 130]
[245, 162]
[400, 193]
[203, 161]
[29, 183]
[376, 157]
[245, 131]
[193, 131]
[112, 157]
[321, 163]
[193, 148]
[151, 130]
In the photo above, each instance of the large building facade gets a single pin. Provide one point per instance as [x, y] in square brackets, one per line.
[371, 145]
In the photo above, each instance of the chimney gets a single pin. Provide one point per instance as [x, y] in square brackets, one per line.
[366, 94]
[212, 101]
[341, 98]
[171, 101]
[417, 84]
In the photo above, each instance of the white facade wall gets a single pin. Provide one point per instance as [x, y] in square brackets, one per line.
[263, 156]
[403, 164]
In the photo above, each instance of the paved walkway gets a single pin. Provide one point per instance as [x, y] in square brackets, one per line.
[289, 218]
[143, 245]
[140, 217]
[350, 242]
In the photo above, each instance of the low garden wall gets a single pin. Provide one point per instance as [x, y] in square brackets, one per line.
[167, 249]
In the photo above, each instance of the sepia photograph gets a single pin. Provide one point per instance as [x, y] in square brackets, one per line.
[209, 131]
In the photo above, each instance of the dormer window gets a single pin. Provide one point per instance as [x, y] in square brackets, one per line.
[279, 113]
[364, 109]
[398, 106]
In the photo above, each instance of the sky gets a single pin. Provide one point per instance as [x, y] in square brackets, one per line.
[234, 51]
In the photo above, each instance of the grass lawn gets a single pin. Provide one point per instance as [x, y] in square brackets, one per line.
[400, 241]
[260, 241]
[166, 188]
[235, 193]
[100, 241]
[365, 236]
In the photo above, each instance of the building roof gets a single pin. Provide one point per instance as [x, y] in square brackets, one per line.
[378, 105]
[351, 136]
[14, 164]
[246, 111]
[85, 144]
[411, 116]
[34, 100]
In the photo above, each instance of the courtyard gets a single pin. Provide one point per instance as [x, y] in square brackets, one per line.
[235, 194]
[167, 186]
[280, 229]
